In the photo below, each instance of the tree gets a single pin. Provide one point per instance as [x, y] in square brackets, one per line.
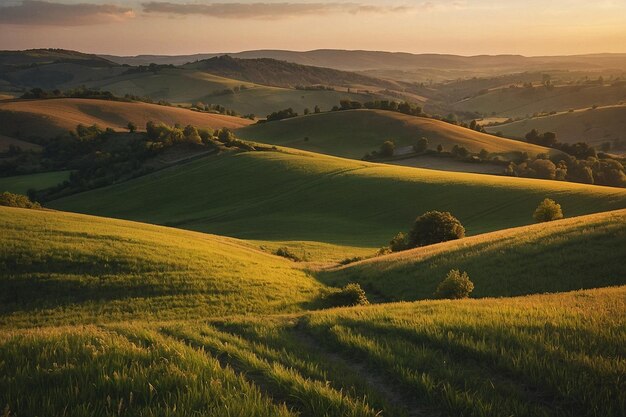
[387, 149]
[399, 242]
[131, 127]
[421, 145]
[317, 109]
[543, 168]
[306, 111]
[547, 211]
[484, 154]
[456, 285]
[435, 227]
[440, 148]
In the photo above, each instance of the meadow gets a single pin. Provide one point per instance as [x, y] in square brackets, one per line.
[20, 184]
[353, 133]
[288, 195]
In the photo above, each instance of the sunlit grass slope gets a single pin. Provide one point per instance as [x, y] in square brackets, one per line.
[20, 184]
[82, 268]
[537, 356]
[582, 252]
[293, 195]
[354, 133]
[48, 118]
[593, 126]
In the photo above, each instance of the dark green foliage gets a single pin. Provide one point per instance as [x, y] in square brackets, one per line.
[435, 227]
[548, 210]
[387, 149]
[456, 285]
[421, 145]
[79, 92]
[17, 200]
[131, 127]
[399, 242]
[281, 114]
[348, 296]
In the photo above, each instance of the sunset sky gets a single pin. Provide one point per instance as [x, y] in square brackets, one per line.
[466, 27]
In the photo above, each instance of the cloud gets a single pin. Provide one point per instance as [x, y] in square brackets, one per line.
[31, 12]
[266, 10]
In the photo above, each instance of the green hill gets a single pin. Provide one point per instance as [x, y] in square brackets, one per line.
[354, 133]
[593, 126]
[288, 195]
[558, 256]
[64, 266]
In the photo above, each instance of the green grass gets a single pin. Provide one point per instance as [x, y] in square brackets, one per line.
[547, 355]
[62, 267]
[354, 133]
[575, 253]
[299, 196]
[20, 184]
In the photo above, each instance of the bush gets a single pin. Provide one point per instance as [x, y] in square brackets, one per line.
[348, 296]
[456, 285]
[287, 253]
[435, 227]
[399, 243]
[547, 211]
[17, 200]
[387, 149]
[421, 145]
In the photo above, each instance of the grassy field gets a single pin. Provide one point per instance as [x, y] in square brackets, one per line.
[549, 355]
[48, 118]
[576, 253]
[521, 102]
[6, 142]
[58, 266]
[354, 133]
[593, 126]
[22, 183]
[190, 86]
[298, 196]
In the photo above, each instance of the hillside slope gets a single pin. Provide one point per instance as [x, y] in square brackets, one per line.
[574, 253]
[289, 195]
[593, 126]
[48, 118]
[354, 133]
[83, 267]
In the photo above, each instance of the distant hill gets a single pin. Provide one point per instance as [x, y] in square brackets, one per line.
[353, 133]
[49, 56]
[48, 118]
[594, 126]
[278, 73]
[367, 60]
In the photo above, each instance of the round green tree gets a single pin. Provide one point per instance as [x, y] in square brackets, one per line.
[547, 211]
[456, 285]
[435, 227]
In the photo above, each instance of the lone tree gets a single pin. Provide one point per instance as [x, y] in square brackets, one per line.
[456, 285]
[131, 127]
[547, 211]
[421, 145]
[435, 227]
[387, 148]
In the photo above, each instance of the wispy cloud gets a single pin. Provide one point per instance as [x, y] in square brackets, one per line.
[266, 10]
[31, 12]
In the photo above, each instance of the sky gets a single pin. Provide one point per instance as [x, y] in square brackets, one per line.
[177, 27]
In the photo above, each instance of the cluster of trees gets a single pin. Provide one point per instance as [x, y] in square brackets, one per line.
[142, 69]
[315, 88]
[581, 163]
[401, 107]
[280, 115]
[17, 200]
[429, 228]
[79, 92]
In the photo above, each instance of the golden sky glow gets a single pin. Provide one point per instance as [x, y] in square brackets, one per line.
[465, 27]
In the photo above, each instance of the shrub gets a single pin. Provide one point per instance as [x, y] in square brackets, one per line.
[421, 145]
[547, 211]
[17, 200]
[456, 285]
[287, 253]
[385, 250]
[131, 127]
[399, 243]
[348, 296]
[435, 227]
[387, 149]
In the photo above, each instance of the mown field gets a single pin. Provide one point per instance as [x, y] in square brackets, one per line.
[298, 196]
[20, 184]
[48, 118]
[577, 253]
[354, 133]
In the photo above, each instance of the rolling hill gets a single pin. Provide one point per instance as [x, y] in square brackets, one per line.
[354, 133]
[48, 118]
[565, 255]
[287, 195]
[593, 126]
